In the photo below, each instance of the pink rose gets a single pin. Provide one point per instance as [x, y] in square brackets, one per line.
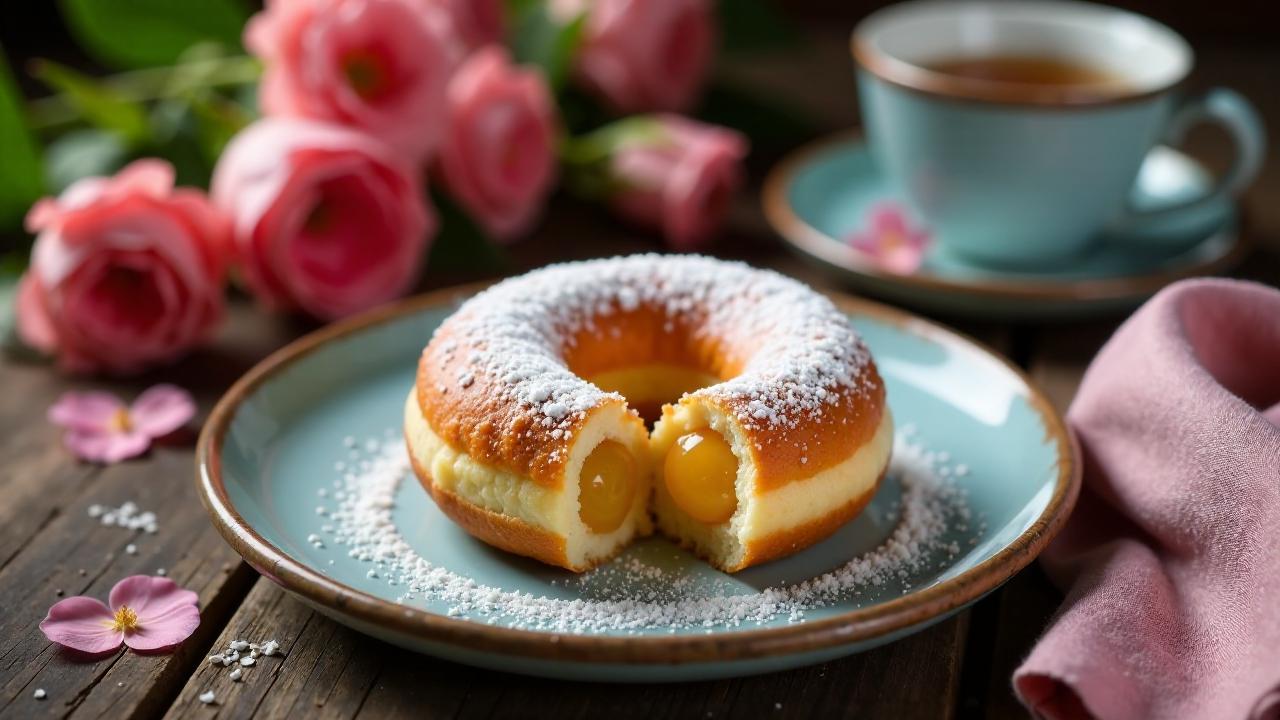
[644, 55]
[377, 65]
[680, 178]
[499, 157]
[126, 273]
[325, 218]
[475, 23]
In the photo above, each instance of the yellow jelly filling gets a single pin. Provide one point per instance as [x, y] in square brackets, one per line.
[648, 387]
[699, 473]
[606, 487]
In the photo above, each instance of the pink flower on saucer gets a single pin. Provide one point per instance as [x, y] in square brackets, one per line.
[145, 613]
[890, 241]
[103, 429]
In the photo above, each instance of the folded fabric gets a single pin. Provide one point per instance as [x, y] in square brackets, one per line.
[1171, 560]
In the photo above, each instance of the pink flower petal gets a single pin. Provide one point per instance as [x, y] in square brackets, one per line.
[34, 324]
[165, 630]
[82, 623]
[160, 603]
[890, 241]
[149, 176]
[87, 412]
[161, 409]
[41, 215]
[106, 447]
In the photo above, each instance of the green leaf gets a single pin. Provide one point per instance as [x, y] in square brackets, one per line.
[8, 296]
[218, 119]
[139, 33]
[83, 153]
[101, 106]
[20, 178]
[538, 39]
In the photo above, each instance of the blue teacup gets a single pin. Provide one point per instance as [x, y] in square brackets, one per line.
[1032, 168]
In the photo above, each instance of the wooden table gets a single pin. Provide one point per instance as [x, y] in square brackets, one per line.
[49, 547]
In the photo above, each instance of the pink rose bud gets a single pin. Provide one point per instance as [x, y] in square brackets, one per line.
[475, 23]
[679, 177]
[499, 158]
[644, 55]
[127, 272]
[380, 66]
[326, 219]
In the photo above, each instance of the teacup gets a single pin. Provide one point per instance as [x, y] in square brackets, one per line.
[1016, 128]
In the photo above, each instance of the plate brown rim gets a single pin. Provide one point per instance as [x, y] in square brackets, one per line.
[817, 244]
[854, 626]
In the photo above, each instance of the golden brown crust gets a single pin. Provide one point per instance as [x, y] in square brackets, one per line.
[479, 420]
[501, 531]
[830, 438]
[795, 539]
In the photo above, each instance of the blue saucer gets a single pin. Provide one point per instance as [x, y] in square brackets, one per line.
[822, 193]
[274, 456]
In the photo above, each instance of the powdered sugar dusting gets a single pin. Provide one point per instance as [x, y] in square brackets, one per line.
[510, 338]
[648, 589]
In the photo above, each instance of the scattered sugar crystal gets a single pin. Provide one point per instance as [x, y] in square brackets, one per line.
[207, 697]
[235, 674]
[126, 516]
[239, 645]
[247, 661]
[40, 694]
[630, 595]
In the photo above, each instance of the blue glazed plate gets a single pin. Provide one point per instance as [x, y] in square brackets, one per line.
[821, 194]
[270, 454]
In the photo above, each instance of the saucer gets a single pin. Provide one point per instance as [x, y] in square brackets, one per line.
[822, 193]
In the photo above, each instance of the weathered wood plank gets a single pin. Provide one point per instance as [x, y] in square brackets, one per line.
[329, 671]
[51, 548]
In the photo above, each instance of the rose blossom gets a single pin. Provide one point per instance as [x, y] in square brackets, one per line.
[643, 55]
[499, 156]
[475, 23]
[679, 178]
[325, 218]
[378, 65]
[126, 273]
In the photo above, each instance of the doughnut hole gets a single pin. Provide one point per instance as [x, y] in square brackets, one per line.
[700, 471]
[648, 387]
[606, 487]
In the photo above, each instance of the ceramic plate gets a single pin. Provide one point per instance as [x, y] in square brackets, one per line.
[274, 452]
[822, 193]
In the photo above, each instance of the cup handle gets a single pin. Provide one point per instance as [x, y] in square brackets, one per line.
[1238, 117]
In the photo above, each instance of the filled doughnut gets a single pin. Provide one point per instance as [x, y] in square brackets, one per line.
[526, 423]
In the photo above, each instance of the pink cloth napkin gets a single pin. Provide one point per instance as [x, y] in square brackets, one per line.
[1172, 557]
